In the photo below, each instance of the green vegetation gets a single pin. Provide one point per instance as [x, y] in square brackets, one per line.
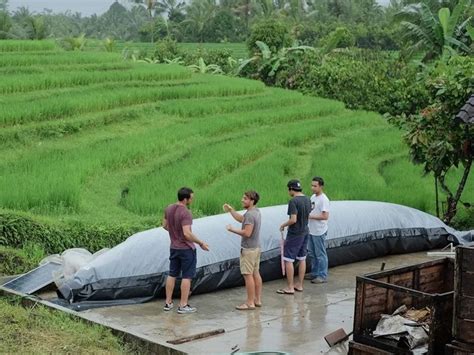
[95, 152]
[22, 46]
[237, 50]
[48, 331]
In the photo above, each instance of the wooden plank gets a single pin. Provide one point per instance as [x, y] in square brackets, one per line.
[405, 280]
[359, 323]
[374, 301]
[466, 256]
[465, 307]
[362, 349]
[433, 273]
[396, 288]
[376, 310]
[452, 349]
[464, 330]
[378, 275]
[467, 283]
[196, 337]
[463, 346]
[374, 291]
[433, 287]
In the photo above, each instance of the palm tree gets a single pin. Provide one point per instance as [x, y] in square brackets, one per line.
[171, 6]
[266, 8]
[199, 13]
[294, 9]
[243, 9]
[153, 10]
[3, 5]
[435, 35]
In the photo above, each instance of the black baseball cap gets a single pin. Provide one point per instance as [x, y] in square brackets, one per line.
[294, 185]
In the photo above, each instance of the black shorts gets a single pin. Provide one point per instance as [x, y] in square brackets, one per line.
[295, 248]
[183, 263]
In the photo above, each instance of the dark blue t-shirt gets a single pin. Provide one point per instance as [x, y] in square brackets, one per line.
[301, 207]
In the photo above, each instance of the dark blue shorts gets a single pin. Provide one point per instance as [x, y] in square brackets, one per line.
[295, 248]
[183, 263]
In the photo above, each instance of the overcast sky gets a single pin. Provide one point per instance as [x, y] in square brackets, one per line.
[85, 7]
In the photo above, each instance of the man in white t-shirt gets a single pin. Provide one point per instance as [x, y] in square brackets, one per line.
[318, 230]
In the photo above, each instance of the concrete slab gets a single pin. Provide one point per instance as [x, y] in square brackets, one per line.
[294, 324]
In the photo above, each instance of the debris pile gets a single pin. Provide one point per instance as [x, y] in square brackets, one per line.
[409, 327]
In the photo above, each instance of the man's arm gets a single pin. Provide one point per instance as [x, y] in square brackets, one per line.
[165, 223]
[189, 235]
[246, 232]
[237, 216]
[324, 216]
[292, 220]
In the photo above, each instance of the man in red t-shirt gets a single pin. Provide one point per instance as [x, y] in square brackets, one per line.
[177, 221]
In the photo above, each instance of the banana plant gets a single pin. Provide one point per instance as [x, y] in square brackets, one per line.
[204, 68]
[269, 63]
[176, 60]
[439, 34]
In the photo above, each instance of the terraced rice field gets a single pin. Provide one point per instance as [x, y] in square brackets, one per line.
[88, 137]
[237, 50]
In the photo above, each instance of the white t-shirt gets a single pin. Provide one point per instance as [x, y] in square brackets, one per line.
[319, 204]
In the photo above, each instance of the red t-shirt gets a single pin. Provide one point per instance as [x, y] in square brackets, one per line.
[178, 216]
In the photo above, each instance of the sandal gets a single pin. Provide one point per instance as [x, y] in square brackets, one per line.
[258, 305]
[299, 289]
[283, 291]
[244, 307]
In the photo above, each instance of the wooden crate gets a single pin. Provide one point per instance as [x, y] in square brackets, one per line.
[457, 348]
[362, 349]
[428, 284]
[463, 326]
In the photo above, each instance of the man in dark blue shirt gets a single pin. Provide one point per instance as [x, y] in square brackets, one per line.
[296, 242]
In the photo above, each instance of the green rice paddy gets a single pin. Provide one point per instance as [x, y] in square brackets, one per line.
[86, 136]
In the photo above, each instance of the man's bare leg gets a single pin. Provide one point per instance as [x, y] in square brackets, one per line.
[290, 274]
[170, 281]
[258, 287]
[301, 272]
[185, 288]
[250, 287]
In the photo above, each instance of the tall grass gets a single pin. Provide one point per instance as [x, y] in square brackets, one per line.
[56, 58]
[46, 69]
[73, 77]
[26, 45]
[19, 110]
[88, 136]
[238, 50]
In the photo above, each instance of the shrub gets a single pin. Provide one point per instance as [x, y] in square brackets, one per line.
[165, 49]
[219, 57]
[5, 24]
[362, 79]
[341, 37]
[434, 139]
[375, 38]
[272, 32]
[306, 34]
[14, 261]
[20, 230]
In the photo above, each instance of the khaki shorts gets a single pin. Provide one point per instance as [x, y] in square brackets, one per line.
[249, 260]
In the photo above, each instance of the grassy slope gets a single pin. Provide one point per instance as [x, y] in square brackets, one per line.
[42, 331]
[114, 143]
[238, 50]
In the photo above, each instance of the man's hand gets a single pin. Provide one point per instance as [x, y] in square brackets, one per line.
[204, 246]
[282, 227]
[227, 208]
[229, 227]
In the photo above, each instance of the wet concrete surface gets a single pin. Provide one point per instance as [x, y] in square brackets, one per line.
[289, 323]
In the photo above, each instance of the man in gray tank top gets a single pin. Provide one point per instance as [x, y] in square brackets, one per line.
[250, 248]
